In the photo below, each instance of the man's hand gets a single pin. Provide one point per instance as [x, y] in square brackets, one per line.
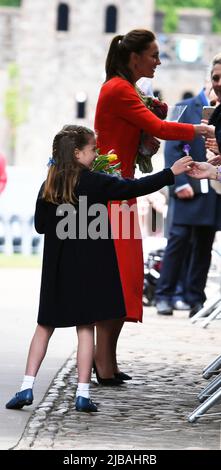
[185, 193]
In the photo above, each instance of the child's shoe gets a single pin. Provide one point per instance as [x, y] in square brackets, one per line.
[85, 404]
[25, 397]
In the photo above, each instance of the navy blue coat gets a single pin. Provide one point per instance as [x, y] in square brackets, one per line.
[203, 209]
[80, 277]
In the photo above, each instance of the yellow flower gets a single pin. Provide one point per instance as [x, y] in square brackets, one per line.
[112, 157]
[105, 163]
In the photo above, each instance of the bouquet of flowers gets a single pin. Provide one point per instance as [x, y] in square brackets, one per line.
[156, 106]
[105, 163]
[148, 144]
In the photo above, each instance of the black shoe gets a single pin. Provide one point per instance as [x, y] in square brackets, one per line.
[196, 308]
[164, 307]
[180, 305]
[25, 397]
[122, 376]
[109, 382]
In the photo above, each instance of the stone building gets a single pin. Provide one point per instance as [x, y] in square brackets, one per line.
[59, 49]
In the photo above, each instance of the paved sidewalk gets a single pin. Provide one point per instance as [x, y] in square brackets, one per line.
[19, 292]
[165, 356]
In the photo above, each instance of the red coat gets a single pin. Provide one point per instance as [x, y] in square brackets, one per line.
[120, 117]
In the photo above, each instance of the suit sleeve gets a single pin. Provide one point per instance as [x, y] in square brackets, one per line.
[174, 151]
[128, 105]
[103, 187]
[40, 213]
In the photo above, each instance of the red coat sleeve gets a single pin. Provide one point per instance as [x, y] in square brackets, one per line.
[129, 106]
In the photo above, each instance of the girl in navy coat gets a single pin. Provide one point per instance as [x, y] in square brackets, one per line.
[80, 278]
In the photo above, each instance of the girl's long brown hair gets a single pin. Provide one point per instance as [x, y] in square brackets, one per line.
[64, 173]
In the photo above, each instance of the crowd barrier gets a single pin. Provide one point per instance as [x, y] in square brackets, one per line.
[18, 235]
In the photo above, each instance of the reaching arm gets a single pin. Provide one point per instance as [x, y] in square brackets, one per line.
[130, 107]
[103, 187]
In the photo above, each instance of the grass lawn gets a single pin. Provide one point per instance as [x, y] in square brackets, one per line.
[20, 261]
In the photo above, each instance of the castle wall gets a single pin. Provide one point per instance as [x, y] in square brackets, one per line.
[9, 20]
[55, 66]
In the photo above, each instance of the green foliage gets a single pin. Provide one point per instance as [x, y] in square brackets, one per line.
[15, 102]
[217, 16]
[10, 3]
[186, 3]
[170, 6]
[170, 21]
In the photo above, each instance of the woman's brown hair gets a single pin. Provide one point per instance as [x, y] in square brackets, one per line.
[120, 50]
[64, 170]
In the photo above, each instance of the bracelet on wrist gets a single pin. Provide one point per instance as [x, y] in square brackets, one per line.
[218, 173]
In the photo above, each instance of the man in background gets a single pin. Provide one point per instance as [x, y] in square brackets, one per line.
[193, 224]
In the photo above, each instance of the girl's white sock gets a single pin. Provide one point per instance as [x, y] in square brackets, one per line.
[83, 390]
[28, 382]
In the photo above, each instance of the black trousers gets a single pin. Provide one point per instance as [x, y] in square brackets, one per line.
[194, 242]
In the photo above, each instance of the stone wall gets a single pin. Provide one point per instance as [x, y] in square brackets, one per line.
[55, 66]
[9, 21]
[198, 20]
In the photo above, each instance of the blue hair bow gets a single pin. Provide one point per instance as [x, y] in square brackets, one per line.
[51, 162]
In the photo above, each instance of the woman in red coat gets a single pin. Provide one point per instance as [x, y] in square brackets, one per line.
[120, 118]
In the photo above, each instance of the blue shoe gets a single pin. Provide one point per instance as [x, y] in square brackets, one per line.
[85, 404]
[20, 399]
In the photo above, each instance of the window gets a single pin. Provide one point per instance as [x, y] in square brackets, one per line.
[189, 49]
[81, 99]
[63, 17]
[111, 19]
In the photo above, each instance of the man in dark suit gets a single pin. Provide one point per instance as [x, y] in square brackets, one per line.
[195, 212]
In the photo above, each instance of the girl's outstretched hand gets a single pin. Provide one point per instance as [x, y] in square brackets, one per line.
[201, 170]
[182, 165]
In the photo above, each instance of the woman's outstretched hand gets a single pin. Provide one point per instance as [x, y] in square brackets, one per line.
[204, 130]
[182, 165]
[215, 160]
[201, 170]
